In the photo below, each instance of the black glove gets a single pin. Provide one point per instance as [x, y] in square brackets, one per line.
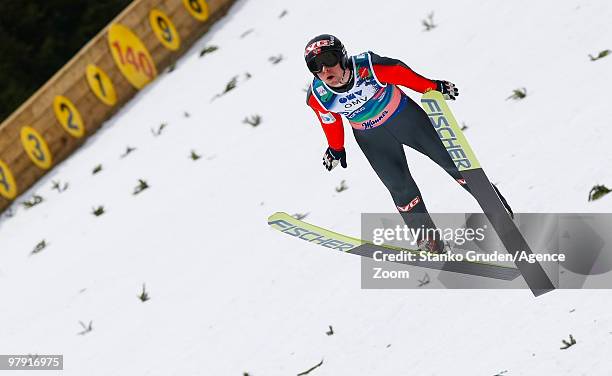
[448, 89]
[331, 158]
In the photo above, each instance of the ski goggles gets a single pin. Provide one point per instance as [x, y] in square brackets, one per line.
[328, 59]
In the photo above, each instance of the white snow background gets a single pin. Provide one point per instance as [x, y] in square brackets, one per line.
[231, 296]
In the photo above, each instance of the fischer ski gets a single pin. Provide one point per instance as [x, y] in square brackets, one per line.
[462, 154]
[289, 225]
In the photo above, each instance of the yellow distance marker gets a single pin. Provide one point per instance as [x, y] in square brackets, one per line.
[197, 8]
[101, 84]
[164, 30]
[36, 147]
[131, 56]
[68, 116]
[8, 187]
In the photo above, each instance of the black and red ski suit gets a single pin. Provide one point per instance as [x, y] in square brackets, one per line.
[382, 143]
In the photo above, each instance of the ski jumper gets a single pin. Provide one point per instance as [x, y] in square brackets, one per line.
[383, 119]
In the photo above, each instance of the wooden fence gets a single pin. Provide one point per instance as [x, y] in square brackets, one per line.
[105, 74]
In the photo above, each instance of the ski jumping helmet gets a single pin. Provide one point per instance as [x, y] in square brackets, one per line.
[325, 49]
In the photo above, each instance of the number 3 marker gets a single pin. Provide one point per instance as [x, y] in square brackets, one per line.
[36, 147]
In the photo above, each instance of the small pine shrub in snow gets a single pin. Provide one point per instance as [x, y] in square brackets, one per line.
[96, 169]
[39, 247]
[195, 156]
[144, 295]
[275, 59]
[128, 150]
[56, 185]
[597, 192]
[429, 22]
[424, 281]
[254, 120]
[246, 33]
[311, 369]
[569, 344]
[86, 328]
[231, 85]
[601, 55]
[98, 211]
[518, 94]
[35, 200]
[142, 185]
[342, 187]
[158, 131]
[208, 49]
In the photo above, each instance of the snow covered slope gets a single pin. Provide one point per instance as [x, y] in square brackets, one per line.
[230, 296]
